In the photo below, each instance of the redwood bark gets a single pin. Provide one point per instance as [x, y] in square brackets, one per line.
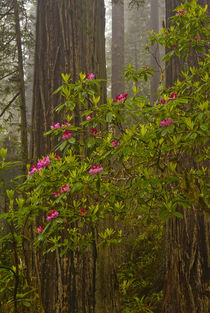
[69, 39]
[187, 239]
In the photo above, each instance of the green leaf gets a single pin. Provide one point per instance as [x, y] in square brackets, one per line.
[177, 214]
[109, 117]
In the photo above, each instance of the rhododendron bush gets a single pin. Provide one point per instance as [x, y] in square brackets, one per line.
[138, 173]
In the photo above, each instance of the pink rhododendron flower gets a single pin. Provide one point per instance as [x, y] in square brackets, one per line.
[94, 131]
[40, 229]
[52, 215]
[173, 96]
[57, 157]
[83, 212]
[197, 38]
[64, 188]
[166, 122]
[161, 176]
[57, 193]
[146, 68]
[90, 76]
[40, 165]
[95, 169]
[121, 97]
[115, 143]
[33, 170]
[88, 117]
[66, 124]
[43, 163]
[66, 135]
[163, 101]
[182, 12]
[56, 125]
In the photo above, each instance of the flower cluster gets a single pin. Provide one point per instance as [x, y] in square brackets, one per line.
[88, 117]
[173, 96]
[59, 192]
[57, 125]
[95, 169]
[166, 122]
[40, 229]
[182, 12]
[94, 131]
[90, 76]
[121, 97]
[52, 215]
[40, 165]
[83, 212]
[66, 135]
[115, 143]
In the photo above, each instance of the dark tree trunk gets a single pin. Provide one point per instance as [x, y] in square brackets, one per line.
[155, 52]
[187, 241]
[69, 39]
[117, 47]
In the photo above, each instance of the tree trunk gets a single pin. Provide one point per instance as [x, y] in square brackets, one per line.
[69, 39]
[117, 47]
[187, 241]
[24, 141]
[155, 53]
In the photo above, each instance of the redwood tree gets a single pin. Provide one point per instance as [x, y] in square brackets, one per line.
[187, 243]
[69, 39]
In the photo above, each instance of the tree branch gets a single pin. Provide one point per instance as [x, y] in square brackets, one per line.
[9, 104]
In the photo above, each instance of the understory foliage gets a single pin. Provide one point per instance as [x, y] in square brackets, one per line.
[136, 163]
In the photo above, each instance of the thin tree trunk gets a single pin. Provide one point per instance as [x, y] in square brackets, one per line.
[155, 53]
[24, 141]
[117, 47]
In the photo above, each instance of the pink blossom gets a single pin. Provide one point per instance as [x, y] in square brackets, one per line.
[64, 188]
[94, 131]
[182, 12]
[173, 96]
[197, 38]
[146, 68]
[40, 229]
[115, 143]
[163, 101]
[56, 125]
[95, 169]
[40, 165]
[90, 76]
[66, 135]
[83, 212]
[88, 117]
[66, 124]
[43, 163]
[57, 193]
[166, 122]
[57, 157]
[121, 97]
[33, 170]
[52, 214]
